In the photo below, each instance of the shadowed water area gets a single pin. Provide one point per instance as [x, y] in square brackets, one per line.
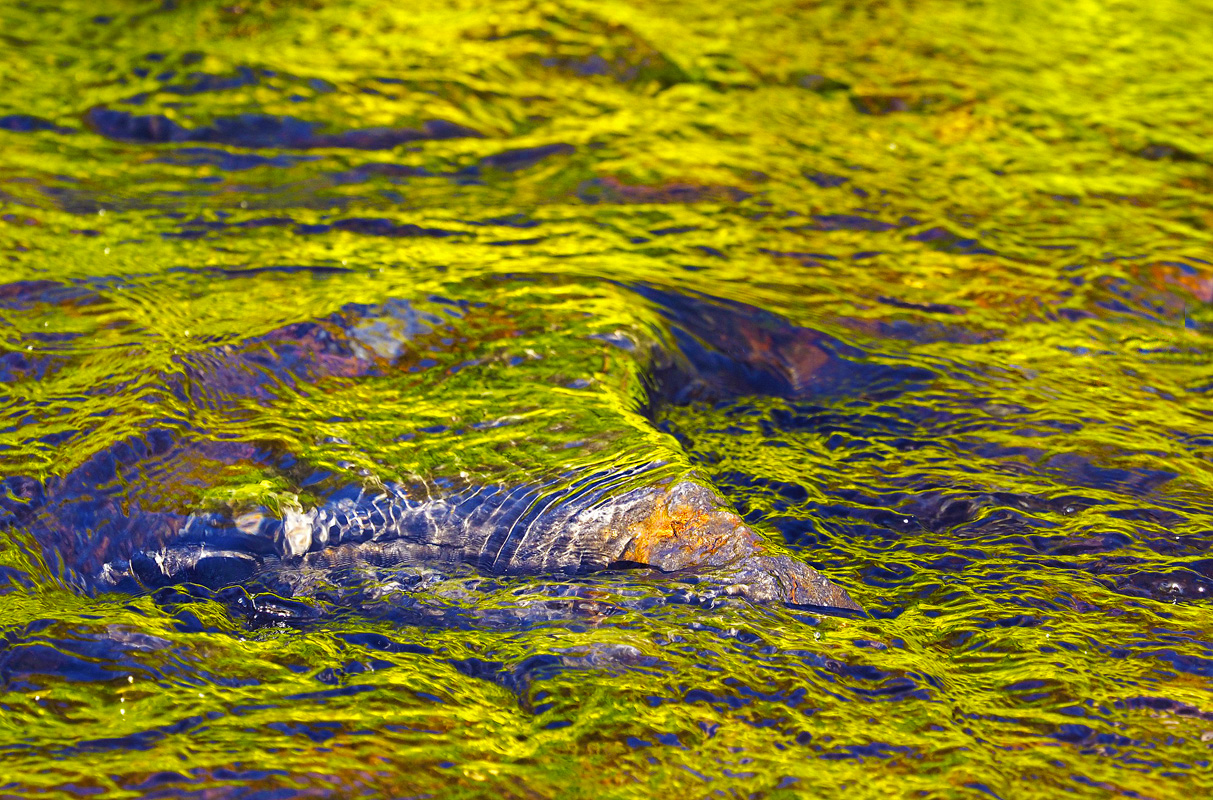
[606, 399]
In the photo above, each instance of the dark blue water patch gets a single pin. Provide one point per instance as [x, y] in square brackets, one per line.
[718, 701]
[262, 131]
[640, 67]
[1069, 545]
[517, 679]
[1180, 662]
[1156, 151]
[825, 180]
[252, 603]
[942, 511]
[1157, 516]
[160, 781]
[1135, 578]
[946, 241]
[845, 222]
[862, 752]
[140, 740]
[243, 77]
[202, 82]
[369, 226]
[524, 157]
[326, 694]
[931, 332]
[1088, 736]
[1176, 541]
[336, 676]
[516, 242]
[892, 575]
[258, 606]
[264, 222]
[674, 230]
[25, 662]
[720, 373]
[894, 689]
[518, 220]
[17, 366]
[808, 259]
[1076, 469]
[13, 580]
[1115, 789]
[366, 226]
[859, 425]
[286, 269]
[395, 173]
[608, 191]
[229, 162]
[1082, 471]
[377, 641]
[24, 123]
[28, 294]
[788, 494]
[318, 732]
[792, 698]
[1139, 301]
[1163, 704]
[976, 520]
[930, 308]
[44, 652]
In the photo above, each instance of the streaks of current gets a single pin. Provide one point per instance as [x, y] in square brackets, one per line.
[921, 289]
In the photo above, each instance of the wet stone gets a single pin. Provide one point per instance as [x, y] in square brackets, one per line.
[113, 523]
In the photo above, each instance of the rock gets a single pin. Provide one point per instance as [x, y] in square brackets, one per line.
[161, 507]
[672, 527]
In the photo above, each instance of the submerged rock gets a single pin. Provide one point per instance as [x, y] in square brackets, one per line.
[564, 482]
[673, 527]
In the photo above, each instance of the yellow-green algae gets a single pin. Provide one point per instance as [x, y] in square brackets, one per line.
[1060, 154]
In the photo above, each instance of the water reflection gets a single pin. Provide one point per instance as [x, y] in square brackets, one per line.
[922, 292]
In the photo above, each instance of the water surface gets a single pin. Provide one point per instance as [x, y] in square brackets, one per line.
[922, 288]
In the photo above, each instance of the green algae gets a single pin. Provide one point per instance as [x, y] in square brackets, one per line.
[1014, 196]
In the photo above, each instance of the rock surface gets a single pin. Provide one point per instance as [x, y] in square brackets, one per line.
[124, 518]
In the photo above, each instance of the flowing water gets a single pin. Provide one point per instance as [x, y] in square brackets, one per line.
[922, 289]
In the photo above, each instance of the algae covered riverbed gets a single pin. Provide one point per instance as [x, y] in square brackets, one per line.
[922, 290]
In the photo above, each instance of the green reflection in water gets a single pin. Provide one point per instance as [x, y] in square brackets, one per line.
[1014, 196]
